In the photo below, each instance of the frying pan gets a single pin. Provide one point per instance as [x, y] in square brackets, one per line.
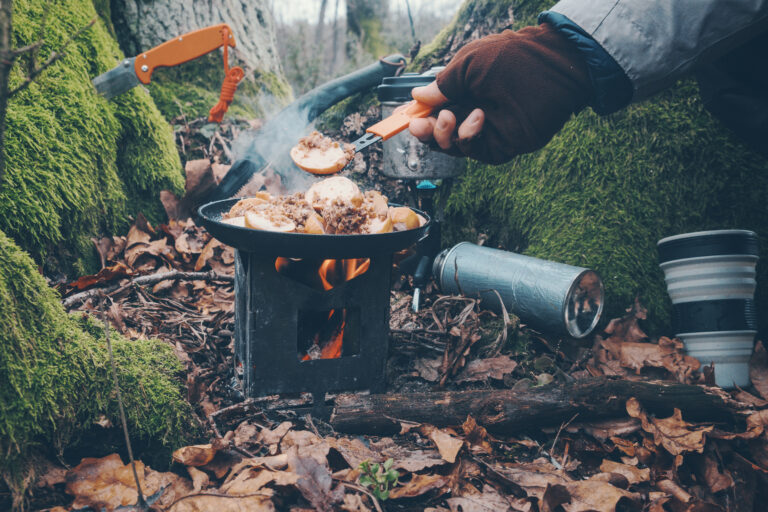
[303, 245]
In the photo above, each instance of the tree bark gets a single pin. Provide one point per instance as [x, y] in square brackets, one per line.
[141, 25]
[6, 62]
[507, 410]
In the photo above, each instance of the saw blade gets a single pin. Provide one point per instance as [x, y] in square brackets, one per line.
[365, 141]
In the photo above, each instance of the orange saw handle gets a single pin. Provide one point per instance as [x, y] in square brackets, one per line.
[400, 119]
[182, 49]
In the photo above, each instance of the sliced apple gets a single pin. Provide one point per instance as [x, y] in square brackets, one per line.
[235, 221]
[378, 203]
[314, 225]
[377, 225]
[331, 189]
[272, 223]
[403, 218]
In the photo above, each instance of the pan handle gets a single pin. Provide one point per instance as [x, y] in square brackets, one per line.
[321, 98]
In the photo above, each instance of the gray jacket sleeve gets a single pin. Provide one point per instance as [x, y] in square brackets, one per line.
[656, 41]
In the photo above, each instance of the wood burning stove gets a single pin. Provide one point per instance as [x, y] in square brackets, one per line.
[311, 311]
[280, 320]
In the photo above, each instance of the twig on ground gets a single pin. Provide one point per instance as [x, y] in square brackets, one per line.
[140, 503]
[173, 275]
[551, 453]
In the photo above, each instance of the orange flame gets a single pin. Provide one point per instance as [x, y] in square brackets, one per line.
[331, 273]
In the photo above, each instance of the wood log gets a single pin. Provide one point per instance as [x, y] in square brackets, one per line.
[505, 410]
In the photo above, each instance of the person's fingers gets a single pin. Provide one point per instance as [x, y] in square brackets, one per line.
[444, 127]
[429, 94]
[423, 128]
[472, 125]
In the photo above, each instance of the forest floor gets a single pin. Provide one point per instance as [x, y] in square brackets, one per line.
[260, 457]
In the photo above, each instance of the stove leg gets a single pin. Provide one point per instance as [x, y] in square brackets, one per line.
[319, 409]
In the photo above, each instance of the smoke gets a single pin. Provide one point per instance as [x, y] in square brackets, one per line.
[272, 144]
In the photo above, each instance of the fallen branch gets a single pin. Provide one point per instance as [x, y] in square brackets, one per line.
[173, 275]
[505, 410]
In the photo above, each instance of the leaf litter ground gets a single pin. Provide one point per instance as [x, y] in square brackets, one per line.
[174, 282]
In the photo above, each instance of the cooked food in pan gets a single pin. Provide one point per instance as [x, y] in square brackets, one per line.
[333, 206]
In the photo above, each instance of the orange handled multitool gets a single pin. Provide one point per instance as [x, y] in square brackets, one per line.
[177, 51]
[394, 124]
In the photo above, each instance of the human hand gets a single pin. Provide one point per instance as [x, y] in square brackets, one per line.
[508, 94]
[441, 128]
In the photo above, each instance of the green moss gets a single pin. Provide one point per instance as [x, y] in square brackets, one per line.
[193, 88]
[55, 378]
[78, 165]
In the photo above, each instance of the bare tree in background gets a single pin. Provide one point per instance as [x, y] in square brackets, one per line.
[364, 27]
[320, 24]
[335, 48]
[318, 70]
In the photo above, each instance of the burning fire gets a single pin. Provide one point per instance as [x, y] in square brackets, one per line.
[331, 273]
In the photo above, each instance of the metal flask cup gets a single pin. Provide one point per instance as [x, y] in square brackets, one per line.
[710, 278]
[403, 156]
[549, 296]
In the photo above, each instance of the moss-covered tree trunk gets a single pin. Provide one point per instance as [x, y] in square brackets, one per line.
[193, 88]
[55, 381]
[78, 165]
[605, 189]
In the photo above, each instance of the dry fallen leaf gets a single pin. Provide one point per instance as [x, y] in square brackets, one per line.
[314, 481]
[253, 479]
[353, 502]
[476, 436]
[116, 271]
[483, 369]
[757, 422]
[603, 430]
[674, 434]
[633, 474]
[447, 445]
[200, 479]
[418, 485]
[272, 437]
[224, 503]
[428, 369]
[589, 495]
[307, 443]
[107, 483]
[716, 477]
[196, 455]
[489, 500]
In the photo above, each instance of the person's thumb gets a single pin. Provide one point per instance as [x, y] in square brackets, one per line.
[429, 94]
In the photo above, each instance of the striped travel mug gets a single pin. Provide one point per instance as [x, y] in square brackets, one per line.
[710, 278]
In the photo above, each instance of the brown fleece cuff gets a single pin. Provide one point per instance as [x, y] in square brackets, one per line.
[527, 82]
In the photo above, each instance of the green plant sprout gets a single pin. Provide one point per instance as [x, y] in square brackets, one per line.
[380, 478]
